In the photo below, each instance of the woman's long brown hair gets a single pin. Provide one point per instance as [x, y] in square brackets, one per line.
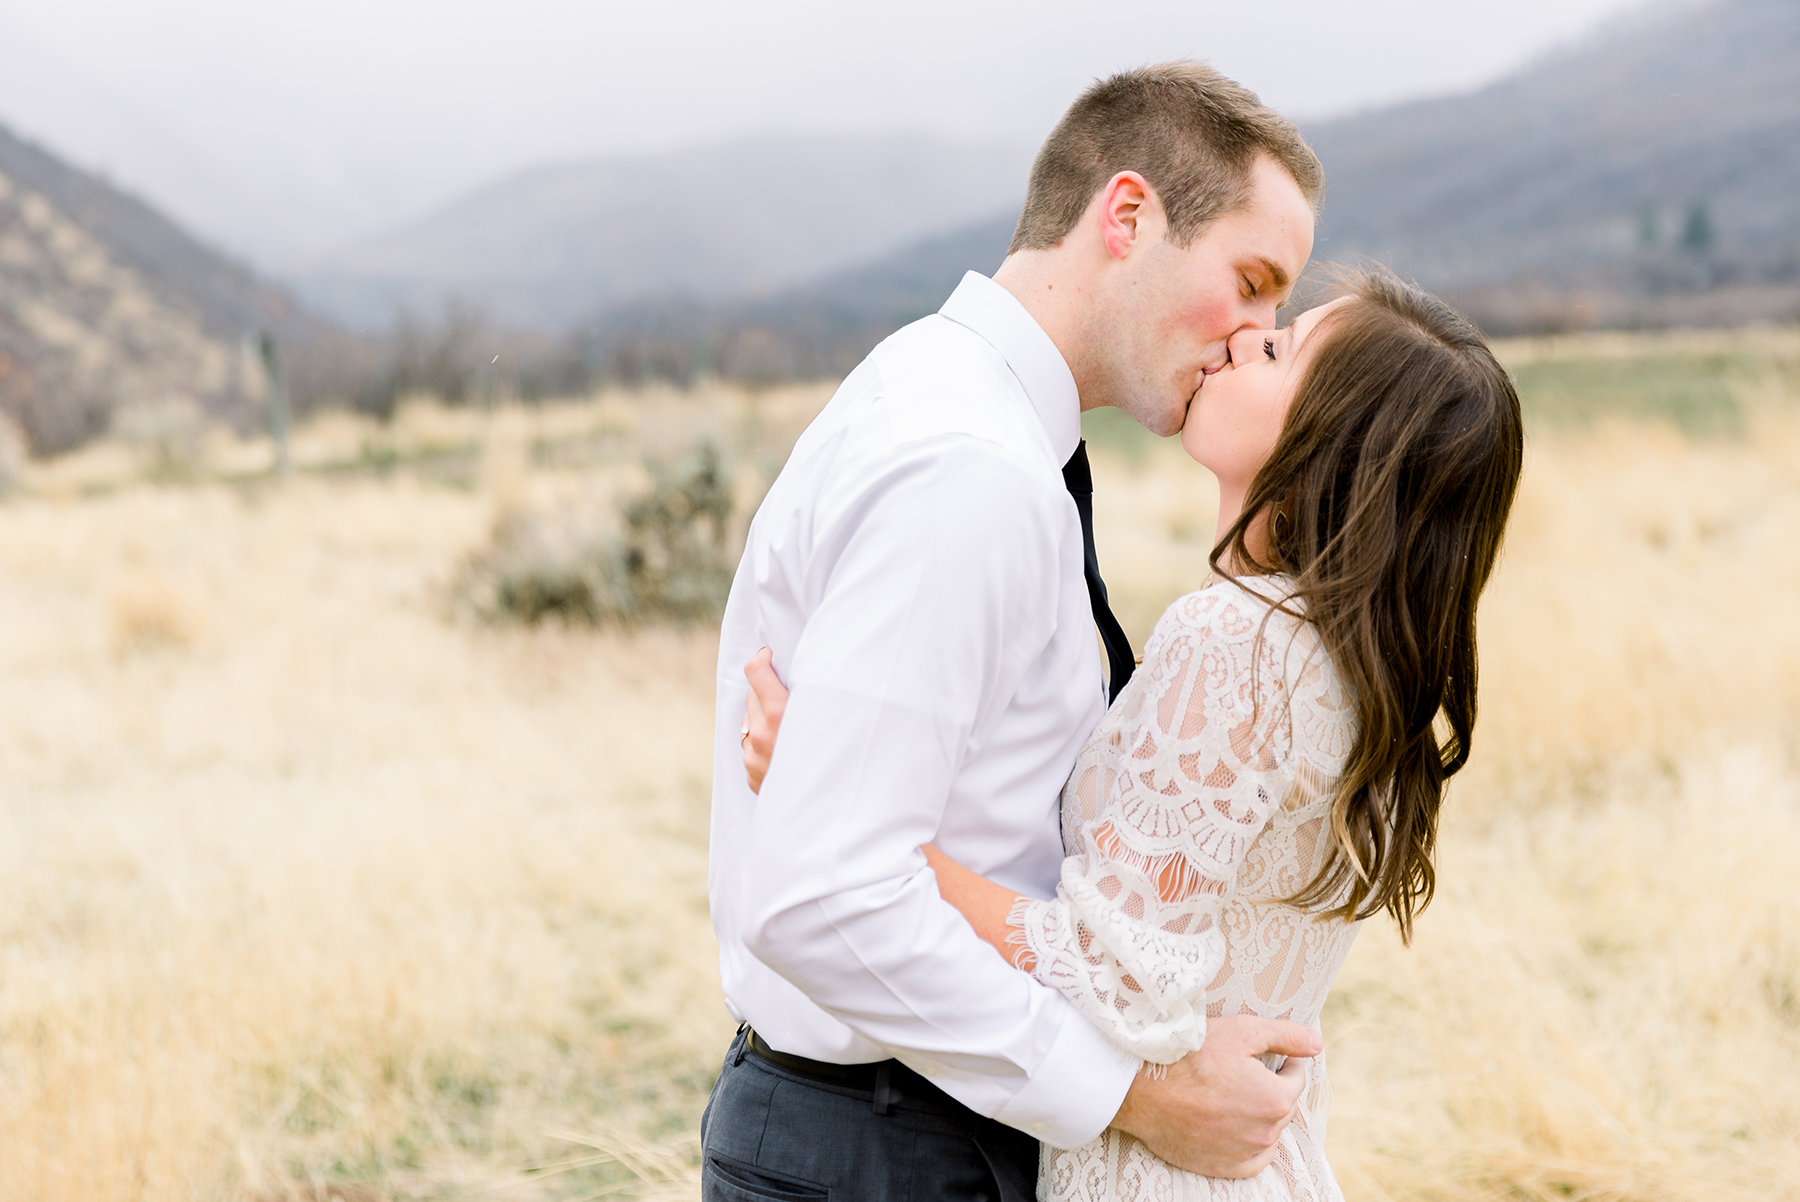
[1384, 499]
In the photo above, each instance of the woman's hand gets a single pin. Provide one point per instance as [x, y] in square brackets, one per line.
[762, 716]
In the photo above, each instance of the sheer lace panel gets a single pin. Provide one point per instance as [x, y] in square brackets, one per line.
[1202, 799]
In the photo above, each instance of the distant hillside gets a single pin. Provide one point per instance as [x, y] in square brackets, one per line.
[555, 245]
[1647, 176]
[815, 330]
[1620, 181]
[105, 303]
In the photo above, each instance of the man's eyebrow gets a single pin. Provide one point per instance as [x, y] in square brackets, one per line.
[1277, 276]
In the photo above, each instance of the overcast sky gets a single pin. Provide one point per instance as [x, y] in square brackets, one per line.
[349, 115]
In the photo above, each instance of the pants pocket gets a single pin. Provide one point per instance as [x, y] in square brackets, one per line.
[724, 1181]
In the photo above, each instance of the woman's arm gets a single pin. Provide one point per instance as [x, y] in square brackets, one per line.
[1132, 936]
[981, 901]
[986, 905]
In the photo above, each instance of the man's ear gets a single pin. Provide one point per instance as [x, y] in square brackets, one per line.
[1125, 207]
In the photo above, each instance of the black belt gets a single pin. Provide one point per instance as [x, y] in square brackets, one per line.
[868, 1078]
[850, 1076]
[891, 1084]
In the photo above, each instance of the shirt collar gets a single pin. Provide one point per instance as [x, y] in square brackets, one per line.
[996, 315]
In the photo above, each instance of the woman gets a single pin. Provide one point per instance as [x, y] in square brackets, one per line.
[1272, 775]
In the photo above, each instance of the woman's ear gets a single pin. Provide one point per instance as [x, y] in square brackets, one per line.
[1284, 525]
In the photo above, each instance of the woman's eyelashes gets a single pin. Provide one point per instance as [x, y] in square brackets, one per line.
[1269, 347]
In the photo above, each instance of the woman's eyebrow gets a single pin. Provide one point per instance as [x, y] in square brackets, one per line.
[1295, 338]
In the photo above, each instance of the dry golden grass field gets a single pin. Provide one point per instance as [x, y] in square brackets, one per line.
[314, 885]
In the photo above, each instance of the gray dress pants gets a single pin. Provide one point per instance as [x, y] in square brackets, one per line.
[774, 1135]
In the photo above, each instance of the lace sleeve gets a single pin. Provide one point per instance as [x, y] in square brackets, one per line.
[1201, 737]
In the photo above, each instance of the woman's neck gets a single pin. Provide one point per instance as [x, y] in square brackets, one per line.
[1256, 541]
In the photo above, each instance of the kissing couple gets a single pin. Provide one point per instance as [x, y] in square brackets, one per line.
[997, 918]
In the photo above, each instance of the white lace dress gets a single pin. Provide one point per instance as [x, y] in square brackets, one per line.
[1203, 796]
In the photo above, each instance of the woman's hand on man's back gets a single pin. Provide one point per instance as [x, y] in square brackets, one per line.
[762, 716]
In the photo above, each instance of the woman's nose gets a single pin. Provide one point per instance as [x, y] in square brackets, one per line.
[1242, 344]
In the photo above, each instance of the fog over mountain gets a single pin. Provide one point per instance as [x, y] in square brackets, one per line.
[47, 100]
[1660, 157]
[1646, 176]
[551, 246]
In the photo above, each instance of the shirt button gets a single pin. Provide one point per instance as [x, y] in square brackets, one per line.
[1040, 1129]
[930, 1067]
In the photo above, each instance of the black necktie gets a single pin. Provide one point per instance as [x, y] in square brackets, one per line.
[1080, 482]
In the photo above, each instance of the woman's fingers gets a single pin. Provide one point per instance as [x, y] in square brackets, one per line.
[756, 760]
[766, 687]
[762, 716]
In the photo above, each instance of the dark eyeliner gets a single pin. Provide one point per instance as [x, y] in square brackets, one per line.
[1269, 347]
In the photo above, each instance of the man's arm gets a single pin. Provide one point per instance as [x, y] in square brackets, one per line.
[1218, 1111]
[928, 608]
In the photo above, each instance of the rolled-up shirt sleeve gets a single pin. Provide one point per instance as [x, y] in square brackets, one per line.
[926, 607]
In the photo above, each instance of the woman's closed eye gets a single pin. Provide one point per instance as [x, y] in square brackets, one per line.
[1269, 347]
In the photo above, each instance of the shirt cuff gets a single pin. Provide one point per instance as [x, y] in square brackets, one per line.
[1076, 1090]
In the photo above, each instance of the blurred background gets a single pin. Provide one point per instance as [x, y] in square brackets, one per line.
[384, 391]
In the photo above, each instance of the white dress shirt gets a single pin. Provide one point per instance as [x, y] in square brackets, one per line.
[917, 571]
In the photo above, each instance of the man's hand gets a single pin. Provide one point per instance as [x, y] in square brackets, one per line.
[1219, 1111]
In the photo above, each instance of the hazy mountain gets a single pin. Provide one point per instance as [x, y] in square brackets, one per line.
[814, 330]
[45, 98]
[106, 303]
[1660, 156]
[554, 245]
[1647, 175]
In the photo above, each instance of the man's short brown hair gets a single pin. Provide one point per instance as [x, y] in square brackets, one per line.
[1190, 132]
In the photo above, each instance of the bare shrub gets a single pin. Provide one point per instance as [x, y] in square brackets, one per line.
[667, 557]
[170, 435]
[147, 613]
[12, 457]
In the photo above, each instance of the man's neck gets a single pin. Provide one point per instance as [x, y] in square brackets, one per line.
[1046, 283]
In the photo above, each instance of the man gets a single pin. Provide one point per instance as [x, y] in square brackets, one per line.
[922, 571]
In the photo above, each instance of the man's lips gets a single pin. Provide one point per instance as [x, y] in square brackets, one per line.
[1200, 378]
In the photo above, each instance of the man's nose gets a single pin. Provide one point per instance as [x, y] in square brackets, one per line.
[1263, 309]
